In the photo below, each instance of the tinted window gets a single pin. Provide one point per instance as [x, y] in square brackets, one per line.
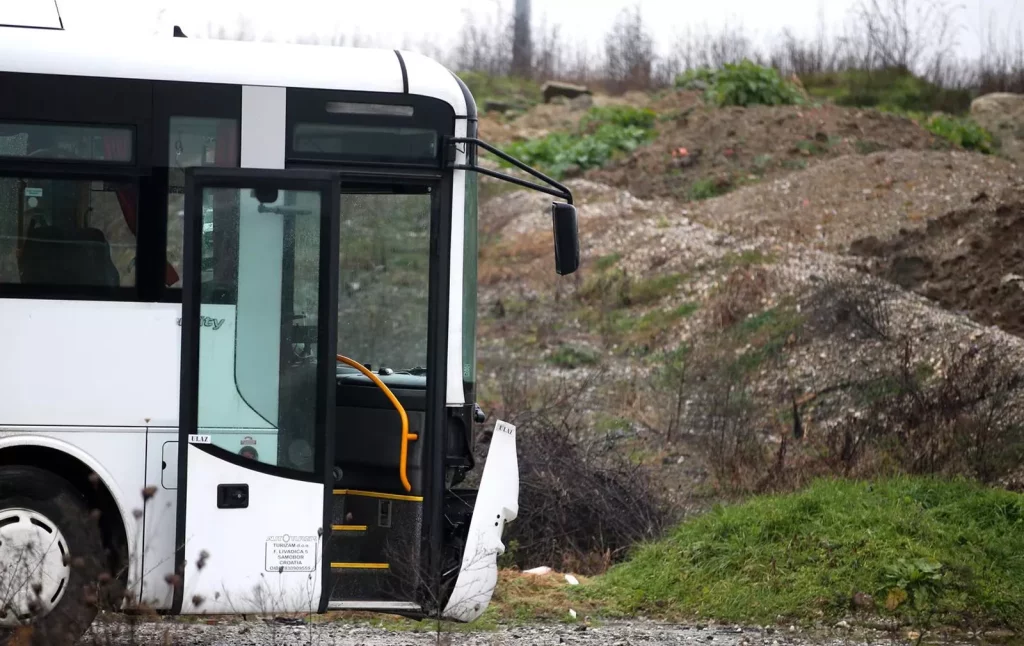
[61, 232]
[194, 141]
[333, 141]
[44, 142]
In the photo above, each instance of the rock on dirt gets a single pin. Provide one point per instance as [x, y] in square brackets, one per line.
[553, 89]
[1002, 113]
[625, 633]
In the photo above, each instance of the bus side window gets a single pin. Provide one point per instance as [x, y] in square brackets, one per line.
[193, 141]
[65, 232]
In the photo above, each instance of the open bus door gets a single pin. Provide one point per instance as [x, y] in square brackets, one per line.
[251, 523]
[302, 475]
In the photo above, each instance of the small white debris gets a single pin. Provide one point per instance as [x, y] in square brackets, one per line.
[572, 580]
[543, 569]
[572, 613]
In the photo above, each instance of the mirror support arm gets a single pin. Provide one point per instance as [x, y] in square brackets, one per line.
[556, 189]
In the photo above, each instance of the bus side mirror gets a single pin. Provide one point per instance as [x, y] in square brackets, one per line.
[567, 240]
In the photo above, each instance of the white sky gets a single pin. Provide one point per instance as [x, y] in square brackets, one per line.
[391, 22]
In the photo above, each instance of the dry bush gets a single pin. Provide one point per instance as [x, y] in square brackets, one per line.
[724, 415]
[856, 304]
[582, 504]
[739, 295]
[966, 420]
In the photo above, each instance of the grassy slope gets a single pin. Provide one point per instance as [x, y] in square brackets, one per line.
[920, 546]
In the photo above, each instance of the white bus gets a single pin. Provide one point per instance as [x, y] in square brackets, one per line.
[237, 326]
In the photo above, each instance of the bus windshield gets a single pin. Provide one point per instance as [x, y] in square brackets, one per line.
[384, 262]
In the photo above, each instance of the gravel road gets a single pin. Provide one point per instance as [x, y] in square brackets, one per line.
[631, 633]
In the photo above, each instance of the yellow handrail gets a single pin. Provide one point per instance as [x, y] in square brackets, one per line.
[406, 435]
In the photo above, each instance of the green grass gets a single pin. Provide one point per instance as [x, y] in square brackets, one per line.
[748, 258]
[707, 188]
[521, 93]
[605, 263]
[891, 88]
[922, 548]
[571, 357]
[767, 334]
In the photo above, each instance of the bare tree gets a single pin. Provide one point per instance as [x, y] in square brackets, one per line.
[629, 52]
[522, 47]
[917, 35]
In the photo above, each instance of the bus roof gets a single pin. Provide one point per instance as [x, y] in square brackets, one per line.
[61, 52]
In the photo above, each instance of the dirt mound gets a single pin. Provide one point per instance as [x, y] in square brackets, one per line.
[970, 260]
[834, 203]
[564, 116]
[727, 147]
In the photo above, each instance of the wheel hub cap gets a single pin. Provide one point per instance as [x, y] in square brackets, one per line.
[35, 565]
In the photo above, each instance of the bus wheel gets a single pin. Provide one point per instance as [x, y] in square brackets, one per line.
[51, 559]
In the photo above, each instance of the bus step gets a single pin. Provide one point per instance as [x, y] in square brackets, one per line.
[349, 529]
[369, 582]
[360, 566]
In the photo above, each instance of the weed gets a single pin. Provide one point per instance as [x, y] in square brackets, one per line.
[515, 92]
[762, 163]
[709, 187]
[605, 263]
[603, 133]
[571, 356]
[866, 146]
[740, 294]
[962, 132]
[741, 84]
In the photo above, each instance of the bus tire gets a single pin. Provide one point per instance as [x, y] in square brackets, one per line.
[72, 556]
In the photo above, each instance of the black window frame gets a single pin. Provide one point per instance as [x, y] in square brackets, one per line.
[119, 163]
[76, 172]
[308, 106]
[84, 101]
[181, 99]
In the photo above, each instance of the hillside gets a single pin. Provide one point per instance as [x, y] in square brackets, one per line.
[768, 294]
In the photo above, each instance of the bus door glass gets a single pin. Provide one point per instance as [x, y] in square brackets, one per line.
[258, 356]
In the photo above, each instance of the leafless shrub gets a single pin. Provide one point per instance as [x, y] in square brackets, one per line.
[860, 305]
[582, 504]
[962, 416]
[740, 294]
[729, 425]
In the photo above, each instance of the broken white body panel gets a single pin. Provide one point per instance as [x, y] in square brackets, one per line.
[497, 503]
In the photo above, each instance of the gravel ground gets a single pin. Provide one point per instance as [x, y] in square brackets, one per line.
[629, 633]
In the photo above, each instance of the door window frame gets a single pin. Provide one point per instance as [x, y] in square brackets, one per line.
[196, 180]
